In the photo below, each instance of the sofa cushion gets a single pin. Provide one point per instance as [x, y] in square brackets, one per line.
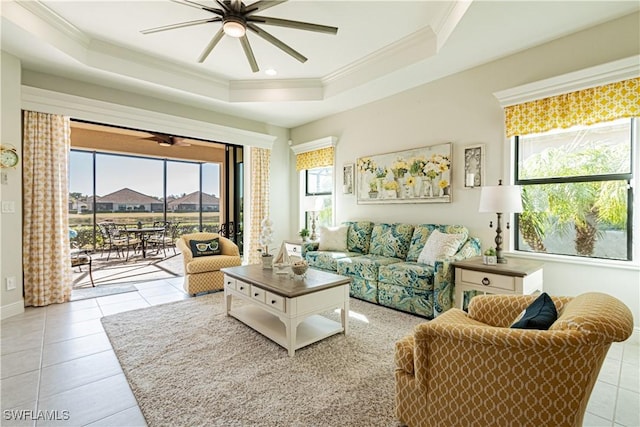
[327, 260]
[440, 245]
[205, 247]
[407, 274]
[359, 236]
[363, 267]
[421, 233]
[540, 314]
[333, 238]
[391, 240]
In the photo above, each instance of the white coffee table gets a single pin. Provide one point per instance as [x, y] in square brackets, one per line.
[286, 309]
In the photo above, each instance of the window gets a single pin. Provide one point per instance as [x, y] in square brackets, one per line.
[319, 182]
[576, 191]
[132, 189]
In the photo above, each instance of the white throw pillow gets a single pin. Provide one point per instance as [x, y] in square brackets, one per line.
[440, 245]
[333, 238]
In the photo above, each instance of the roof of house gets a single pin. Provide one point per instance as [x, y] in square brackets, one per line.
[127, 196]
[194, 199]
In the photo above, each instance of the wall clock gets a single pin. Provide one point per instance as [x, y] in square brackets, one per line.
[8, 156]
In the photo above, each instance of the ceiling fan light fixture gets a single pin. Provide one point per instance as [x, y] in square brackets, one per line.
[164, 144]
[234, 27]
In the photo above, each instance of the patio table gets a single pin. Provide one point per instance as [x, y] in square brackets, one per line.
[142, 234]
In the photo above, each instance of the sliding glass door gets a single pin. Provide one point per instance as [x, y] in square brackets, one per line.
[135, 189]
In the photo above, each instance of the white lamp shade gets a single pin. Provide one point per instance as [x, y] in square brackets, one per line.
[500, 199]
[312, 203]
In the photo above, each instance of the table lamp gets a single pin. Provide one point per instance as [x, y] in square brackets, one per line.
[500, 199]
[312, 205]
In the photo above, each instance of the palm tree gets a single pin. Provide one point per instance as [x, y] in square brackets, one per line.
[583, 206]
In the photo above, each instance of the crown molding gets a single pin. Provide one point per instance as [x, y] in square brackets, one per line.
[450, 20]
[416, 47]
[276, 90]
[51, 18]
[598, 75]
[78, 107]
[318, 144]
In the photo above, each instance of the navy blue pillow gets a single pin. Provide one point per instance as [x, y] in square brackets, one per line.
[205, 247]
[540, 314]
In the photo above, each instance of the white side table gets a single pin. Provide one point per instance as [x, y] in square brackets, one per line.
[516, 277]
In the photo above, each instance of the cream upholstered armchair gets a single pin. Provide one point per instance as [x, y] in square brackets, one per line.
[473, 370]
[202, 274]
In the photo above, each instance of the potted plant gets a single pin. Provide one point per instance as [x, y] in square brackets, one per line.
[490, 257]
[266, 238]
[304, 234]
[373, 190]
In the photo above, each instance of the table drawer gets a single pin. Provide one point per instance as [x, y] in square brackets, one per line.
[257, 293]
[275, 301]
[489, 280]
[245, 288]
[229, 283]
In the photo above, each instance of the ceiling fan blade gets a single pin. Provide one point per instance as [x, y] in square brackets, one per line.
[261, 5]
[214, 41]
[224, 5]
[179, 142]
[236, 5]
[199, 6]
[180, 25]
[298, 25]
[249, 53]
[277, 43]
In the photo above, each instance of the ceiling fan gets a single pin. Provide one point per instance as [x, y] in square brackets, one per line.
[167, 140]
[237, 18]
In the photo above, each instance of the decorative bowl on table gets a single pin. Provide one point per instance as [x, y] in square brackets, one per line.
[299, 268]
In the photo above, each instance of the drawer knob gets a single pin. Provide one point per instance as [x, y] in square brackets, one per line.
[256, 294]
[242, 288]
[486, 281]
[273, 301]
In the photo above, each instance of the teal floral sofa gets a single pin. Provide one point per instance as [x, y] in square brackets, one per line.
[382, 261]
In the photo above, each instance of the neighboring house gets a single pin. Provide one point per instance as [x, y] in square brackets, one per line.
[191, 203]
[128, 200]
[80, 205]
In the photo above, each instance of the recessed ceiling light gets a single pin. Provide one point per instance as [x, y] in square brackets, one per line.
[270, 72]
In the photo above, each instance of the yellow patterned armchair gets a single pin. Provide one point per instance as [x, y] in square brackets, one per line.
[202, 274]
[473, 370]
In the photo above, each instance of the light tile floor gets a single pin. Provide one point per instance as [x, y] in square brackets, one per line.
[58, 362]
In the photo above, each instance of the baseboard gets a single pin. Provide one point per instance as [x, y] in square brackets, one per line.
[12, 309]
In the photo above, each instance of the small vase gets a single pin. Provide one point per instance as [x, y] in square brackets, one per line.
[267, 262]
[373, 194]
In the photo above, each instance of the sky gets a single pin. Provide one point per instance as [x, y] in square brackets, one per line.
[144, 175]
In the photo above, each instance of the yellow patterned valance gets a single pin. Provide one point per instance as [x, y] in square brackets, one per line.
[584, 107]
[314, 159]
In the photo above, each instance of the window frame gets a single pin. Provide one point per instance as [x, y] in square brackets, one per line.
[629, 178]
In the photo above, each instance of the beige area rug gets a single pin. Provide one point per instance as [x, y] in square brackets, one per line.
[190, 365]
[136, 269]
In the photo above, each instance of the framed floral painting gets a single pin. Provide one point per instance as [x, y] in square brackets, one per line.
[420, 175]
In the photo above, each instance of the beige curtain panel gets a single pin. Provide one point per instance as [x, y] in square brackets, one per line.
[46, 250]
[585, 107]
[260, 170]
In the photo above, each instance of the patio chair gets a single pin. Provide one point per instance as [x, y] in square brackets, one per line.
[166, 238]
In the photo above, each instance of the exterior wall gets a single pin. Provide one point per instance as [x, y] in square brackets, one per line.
[463, 110]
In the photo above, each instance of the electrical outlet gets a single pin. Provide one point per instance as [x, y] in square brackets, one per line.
[11, 283]
[9, 207]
